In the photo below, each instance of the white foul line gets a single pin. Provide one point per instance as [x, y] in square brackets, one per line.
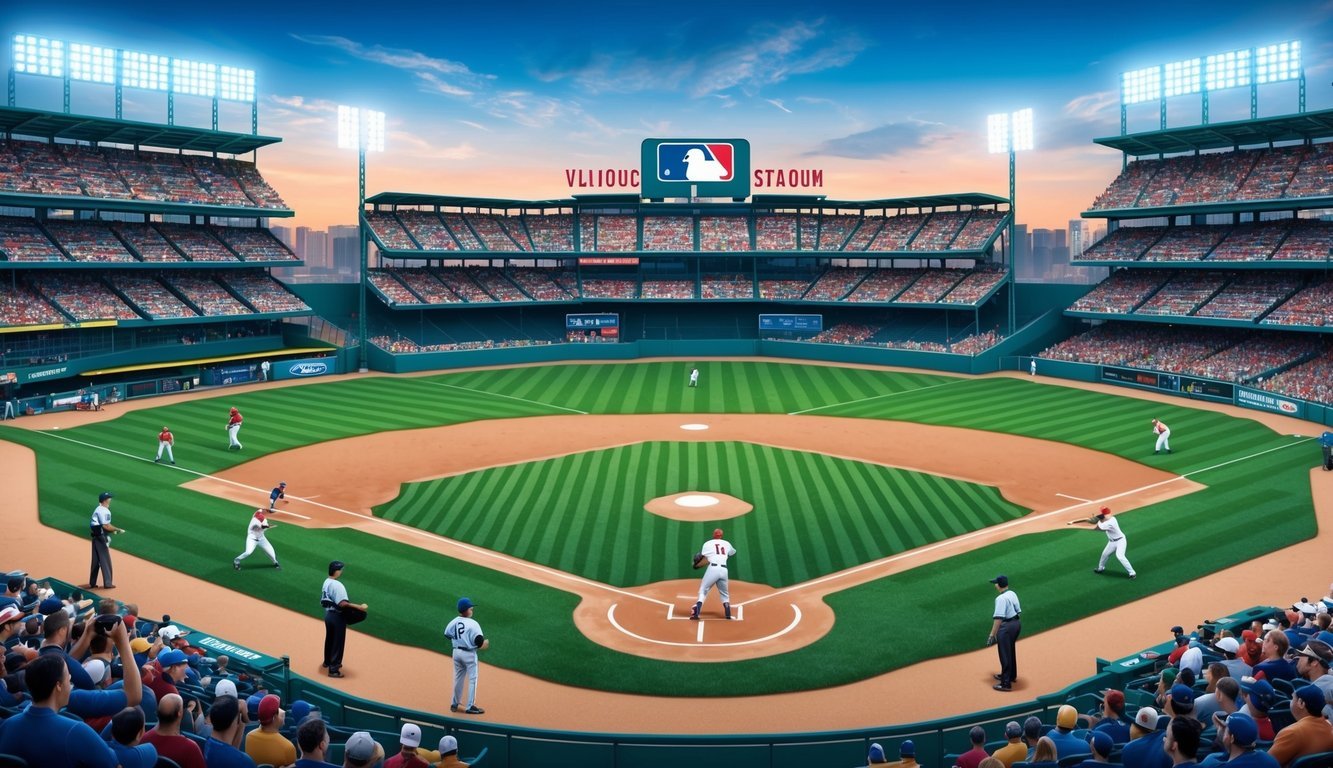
[611, 616]
[876, 397]
[1011, 524]
[371, 519]
[1075, 498]
[699, 636]
[507, 397]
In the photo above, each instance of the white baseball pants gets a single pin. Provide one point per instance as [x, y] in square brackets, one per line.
[1118, 547]
[1163, 440]
[163, 445]
[715, 575]
[233, 432]
[262, 543]
[465, 667]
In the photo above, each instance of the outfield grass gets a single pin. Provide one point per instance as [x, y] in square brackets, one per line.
[584, 514]
[1249, 508]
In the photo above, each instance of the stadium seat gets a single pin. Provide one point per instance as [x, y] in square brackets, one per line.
[1043, 764]
[1281, 716]
[1317, 760]
[1069, 760]
[165, 762]
[1283, 687]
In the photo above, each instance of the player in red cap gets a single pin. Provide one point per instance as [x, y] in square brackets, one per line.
[256, 536]
[715, 552]
[234, 429]
[1115, 539]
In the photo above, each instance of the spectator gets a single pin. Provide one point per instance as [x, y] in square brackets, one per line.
[313, 739]
[1015, 751]
[1258, 697]
[1275, 665]
[1192, 658]
[126, 735]
[1144, 749]
[1230, 650]
[906, 754]
[1310, 733]
[1238, 733]
[361, 751]
[409, 739]
[42, 737]
[1101, 745]
[55, 638]
[1181, 741]
[225, 718]
[1312, 663]
[172, 664]
[166, 735]
[1223, 700]
[1031, 734]
[1180, 702]
[973, 757]
[267, 744]
[1066, 743]
[1045, 753]
[97, 705]
[449, 754]
[876, 756]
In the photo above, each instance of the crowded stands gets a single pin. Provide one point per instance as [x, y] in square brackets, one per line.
[846, 333]
[88, 240]
[724, 233]
[833, 231]
[775, 233]
[82, 296]
[496, 284]
[1251, 242]
[394, 292]
[1124, 244]
[939, 232]
[551, 233]
[980, 228]
[897, 232]
[974, 287]
[540, 284]
[390, 231]
[1255, 356]
[197, 243]
[1122, 292]
[428, 230]
[1310, 240]
[976, 343]
[492, 234]
[206, 294]
[783, 289]
[1312, 305]
[459, 281]
[726, 287]
[885, 284]
[609, 233]
[597, 288]
[931, 286]
[1183, 293]
[667, 289]
[426, 285]
[1250, 295]
[147, 242]
[20, 305]
[862, 237]
[513, 227]
[467, 239]
[1185, 244]
[23, 240]
[262, 292]
[668, 233]
[150, 295]
[835, 284]
[1312, 380]
[254, 243]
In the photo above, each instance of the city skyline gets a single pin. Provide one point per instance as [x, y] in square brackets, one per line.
[885, 101]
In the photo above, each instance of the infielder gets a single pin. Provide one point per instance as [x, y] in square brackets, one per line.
[694, 377]
[165, 440]
[1163, 433]
[465, 634]
[715, 552]
[255, 537]
[1115, 539]
[234, 429]
[279, 492]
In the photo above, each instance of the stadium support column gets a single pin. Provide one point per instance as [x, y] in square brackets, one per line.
[1010, 133]
[1013, 245]
[365, 259]
[362, 129]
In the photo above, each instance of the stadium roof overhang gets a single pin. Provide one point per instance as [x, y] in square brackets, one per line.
[1265, 130]
[58, 125]
[767, 201]
[1200, 209]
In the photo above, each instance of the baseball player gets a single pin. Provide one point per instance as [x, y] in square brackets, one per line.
[1163, 433]
[279, 492]
[1032, 367]
[694, 377]
[165, 440]
[255, 537]
[234, 429]
[1115, 539]
[465, 634]
[715, 552]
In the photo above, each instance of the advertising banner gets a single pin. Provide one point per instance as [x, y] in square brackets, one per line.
[695, 168]
[1267, 401]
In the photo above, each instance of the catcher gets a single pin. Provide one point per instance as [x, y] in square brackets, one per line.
[1115, 539]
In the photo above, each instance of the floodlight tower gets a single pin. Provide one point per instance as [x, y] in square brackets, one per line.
[362, 129]
[1010, 133]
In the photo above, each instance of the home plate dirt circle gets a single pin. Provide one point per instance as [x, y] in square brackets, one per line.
[653, 621]
[698, 506]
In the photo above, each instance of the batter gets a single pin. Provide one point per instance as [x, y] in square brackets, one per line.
[255, 537]
[716, 551]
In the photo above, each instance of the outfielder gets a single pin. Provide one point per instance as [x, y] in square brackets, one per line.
[255, 537]
[694, 377]
[1163, 433]
[465, 634]
[1115, 539]
[165, 440]
[234, 429]
[715, 552]
[279, 492]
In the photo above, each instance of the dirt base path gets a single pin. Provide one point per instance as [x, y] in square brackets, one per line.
[516, 698]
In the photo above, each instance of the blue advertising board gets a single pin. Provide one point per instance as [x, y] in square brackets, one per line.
[305, 368]
[811, 323]
[589, 321]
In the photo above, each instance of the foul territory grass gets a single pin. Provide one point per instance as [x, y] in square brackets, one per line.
[1249, 507]
[584, 513]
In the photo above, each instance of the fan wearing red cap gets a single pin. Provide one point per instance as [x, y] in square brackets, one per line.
[266, 745]
[716, 551]
[1115, 539]
[234, 420]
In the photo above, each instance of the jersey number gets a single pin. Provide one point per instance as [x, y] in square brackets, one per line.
[718, 547]
[455, 631]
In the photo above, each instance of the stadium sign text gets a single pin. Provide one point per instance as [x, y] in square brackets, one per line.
[628, 178]
[309, 369]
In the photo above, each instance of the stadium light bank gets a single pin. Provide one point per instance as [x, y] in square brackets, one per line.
[1010, 133]
[362, 130]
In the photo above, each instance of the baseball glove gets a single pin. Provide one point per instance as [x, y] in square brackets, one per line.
[699, 561]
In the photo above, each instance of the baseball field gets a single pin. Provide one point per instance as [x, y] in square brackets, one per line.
[880, 504]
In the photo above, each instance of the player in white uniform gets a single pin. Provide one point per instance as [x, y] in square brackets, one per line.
[255, 537]
[1115, 539]
[716, 551]
[694, 377]
[465, 634]
[1163, 433]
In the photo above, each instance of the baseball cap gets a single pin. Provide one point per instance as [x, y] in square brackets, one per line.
[1182, 694]
[876, 754]
[360, 747]
[1228, 644]
[282, 485]
[1115, 699]
[1066, 717]
[10, 613]
[411, 735]
[104, 495]
[1312, 696]
[300, 710]
[1244, 731]
[224, 688]
[1169, 676]
[172, 657]
[96, 669]
[1177, 630]
[465, 603]
[15, 583]
[907, 749]
[1105, 511]
[140, 645]
[170, 632]
[448, 744]
[1101, 742]
[14, 661]
[252, 704]
[335, 566]
[1317, 650]
[268, 708]
[1146, 718]
[1261, 692]
[49, 606]
[1001, 580]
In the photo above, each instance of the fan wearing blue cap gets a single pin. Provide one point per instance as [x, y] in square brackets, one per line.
[1100, 744]
[1239, 733]
[465, 634]
[1310, 733]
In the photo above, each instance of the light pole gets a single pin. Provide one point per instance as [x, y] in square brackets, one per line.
[362, 129]
[1010, 133]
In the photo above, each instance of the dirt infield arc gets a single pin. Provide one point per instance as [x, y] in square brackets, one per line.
[353, 475]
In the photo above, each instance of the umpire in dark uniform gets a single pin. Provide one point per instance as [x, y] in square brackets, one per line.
[1004, 632]
[333, 597]
[99, 528]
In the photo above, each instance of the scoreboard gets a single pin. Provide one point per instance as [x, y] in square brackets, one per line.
[809, 323]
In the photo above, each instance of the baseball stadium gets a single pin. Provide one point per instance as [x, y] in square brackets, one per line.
[549, 405]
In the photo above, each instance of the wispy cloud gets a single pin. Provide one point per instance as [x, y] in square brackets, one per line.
[434, 74]
[778, 103]
[884, 141]
[1092, 106]
[472, 124]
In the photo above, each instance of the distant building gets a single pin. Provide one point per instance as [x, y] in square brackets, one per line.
[1078, 238]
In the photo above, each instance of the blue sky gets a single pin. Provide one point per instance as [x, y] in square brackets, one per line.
[494, 99]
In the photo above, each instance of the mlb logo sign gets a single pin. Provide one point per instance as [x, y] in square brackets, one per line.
[691, 162]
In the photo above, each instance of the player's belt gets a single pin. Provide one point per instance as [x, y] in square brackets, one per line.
[1012, 618]
[1119, 539]
[717, 565]
[458, 648]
